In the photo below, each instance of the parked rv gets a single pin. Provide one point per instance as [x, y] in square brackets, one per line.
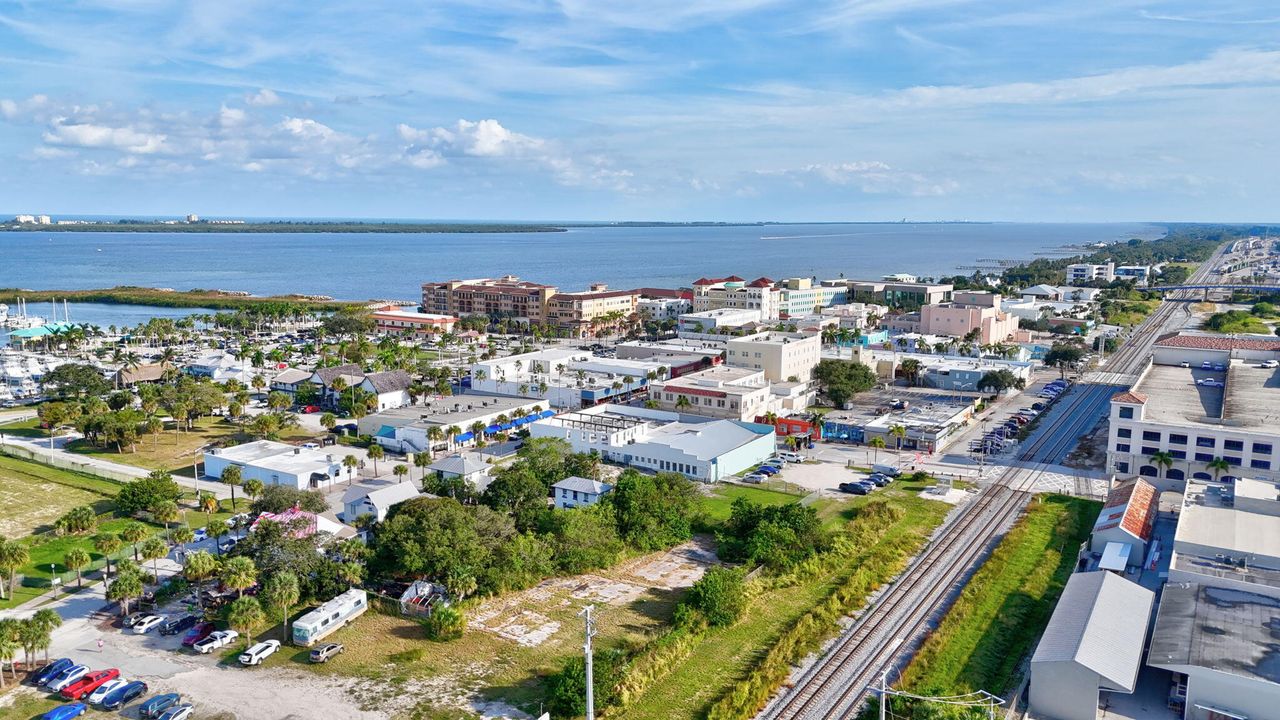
[319, 623]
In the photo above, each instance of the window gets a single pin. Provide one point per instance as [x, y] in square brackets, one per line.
[1122, 447]
[1124, 433]
[1204, 457]
[1177, 439]
[1236, 445]
[1260, 464]
[1151, 435]
[1178, 454]
[1126, 413]
[1232, 460]
[1205, 442]
[1122, 467]
[1262, 448]
[1148, 450]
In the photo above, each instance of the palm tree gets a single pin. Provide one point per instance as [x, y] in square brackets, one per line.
[217, 530]
[281, 592]
[231, 477]
[350, 463]
[133, 534]
[877, 444]
[434, 435]
[899, 433]
[165, 512]
[9, 648]
[253, 487]
[376, 453]
[400, 471]
[452, 432]
[181, 536]
[77, 559]
[245, 614]
[106, 544]
[329, 421]
[239, 573]
[1162, 460]
[46, 620]
[1218, 466]
[421, 461]
[13, 555]
[682, 403]
[153, 549]
[200, 566]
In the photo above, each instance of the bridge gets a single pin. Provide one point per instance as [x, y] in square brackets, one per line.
[1208, 287]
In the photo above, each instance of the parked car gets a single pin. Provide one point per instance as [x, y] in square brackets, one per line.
[1184, 364]
[256, 654]
[66, 677]
[197, 633]
[884, 469]
[853, 489]
[132, 618]
[325, 652]
[88, 683]
[310, 409]
[791, 457]
[42, 675]
[156, 706]
[1269, 364]
[64, 712]
[199, 535]
[228, 544]
[123, 695]
[182, 712]
[768, 470]
[1037, 406]
[1220, 367]
[755, 478]
[97, 696]
[1211, 382]
[1206, 365]
[177, 625]
[143, 626]
[215, 640]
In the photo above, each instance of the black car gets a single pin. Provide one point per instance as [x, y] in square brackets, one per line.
[854, 488]
[1037, 406]
[177, 625]
[122, 695]
[880, 480]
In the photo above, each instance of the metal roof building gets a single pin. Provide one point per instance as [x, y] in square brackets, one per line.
[1094, 642]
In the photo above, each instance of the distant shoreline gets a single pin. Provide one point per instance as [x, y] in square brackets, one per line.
[213, 299]
[443, 228]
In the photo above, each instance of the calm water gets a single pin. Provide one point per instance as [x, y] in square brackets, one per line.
[354, 266]
[105, 316]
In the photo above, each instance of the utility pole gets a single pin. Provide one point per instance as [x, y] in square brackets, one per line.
[884, 696]
[586, 648]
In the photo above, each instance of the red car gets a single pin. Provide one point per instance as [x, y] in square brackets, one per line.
[197, 633]
[90, 682]
[309, 409]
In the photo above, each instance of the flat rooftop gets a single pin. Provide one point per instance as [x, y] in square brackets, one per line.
[1229, 631]
[1210, 518]
[1250, 400]
[456, 409]
[277, 456]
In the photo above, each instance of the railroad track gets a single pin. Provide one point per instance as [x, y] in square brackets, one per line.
[836, 685]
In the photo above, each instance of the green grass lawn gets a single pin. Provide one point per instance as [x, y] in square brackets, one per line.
[24, 429]
[33, 496]
[21, 702]
[1236, 321]
[1007, 603]
[719, 503]
[727, 656]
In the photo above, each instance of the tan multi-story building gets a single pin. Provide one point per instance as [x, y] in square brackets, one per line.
[976, 312]
[507, 296]
[782, 356]
[583, 313]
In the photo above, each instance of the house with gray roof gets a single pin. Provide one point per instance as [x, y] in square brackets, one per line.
[468, 466]
[1093, 643]
[575, 491]
[375, 501]
[390, 387]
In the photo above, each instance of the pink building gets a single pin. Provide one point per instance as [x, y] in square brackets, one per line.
[967, 312]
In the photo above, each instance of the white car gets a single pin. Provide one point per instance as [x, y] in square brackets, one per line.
[182, 712]
[216, 639]
[256, 654]
[97, 696]
[1270, 363]
[791, 457]
[66, 677]
[143, 626]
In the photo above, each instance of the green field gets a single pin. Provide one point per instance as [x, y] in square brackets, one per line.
[1007, 603]
[175, 451]
[719, 503]
[728, 659]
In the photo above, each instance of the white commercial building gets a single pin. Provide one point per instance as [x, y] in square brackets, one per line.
[663, 308]
[783, 356]
[1087, 272]
[702, 449]
[563, 377]
[730, 392]
[275, 463]
[1093, 643]
[1229, 535]
[1221, 405]
[713, 322]
[409, 429]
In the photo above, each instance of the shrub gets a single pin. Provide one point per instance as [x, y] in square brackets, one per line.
[566, 690]
[77, 521]
[446, 623]
[720, 595]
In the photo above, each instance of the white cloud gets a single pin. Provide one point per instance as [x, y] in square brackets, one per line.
[22, 109]
[868, 176]
[63, 131]
[263, 98]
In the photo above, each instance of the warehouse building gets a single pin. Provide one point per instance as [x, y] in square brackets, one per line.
[275, 463]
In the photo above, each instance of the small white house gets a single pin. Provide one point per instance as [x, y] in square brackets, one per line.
[575, 491]
[468, 466]
[375, 501]
[391, 388]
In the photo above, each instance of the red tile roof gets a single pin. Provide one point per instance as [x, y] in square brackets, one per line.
[1130, 396]
[760, 282]
[1208, 342]
[1131, 507]
[704, 281]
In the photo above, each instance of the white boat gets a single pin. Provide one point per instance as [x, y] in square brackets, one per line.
[19, 320]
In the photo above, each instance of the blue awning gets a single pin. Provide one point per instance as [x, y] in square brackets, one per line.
[463, 437]
[520, 421]
[546, 413]
[506, 426]
[492, 429]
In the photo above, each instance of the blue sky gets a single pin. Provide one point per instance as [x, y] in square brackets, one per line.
[664, 109]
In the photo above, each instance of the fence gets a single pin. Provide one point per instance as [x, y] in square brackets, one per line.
[63, 461]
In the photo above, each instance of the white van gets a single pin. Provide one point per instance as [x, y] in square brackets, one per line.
[889, 470]
[790, 456]
[256, 654]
